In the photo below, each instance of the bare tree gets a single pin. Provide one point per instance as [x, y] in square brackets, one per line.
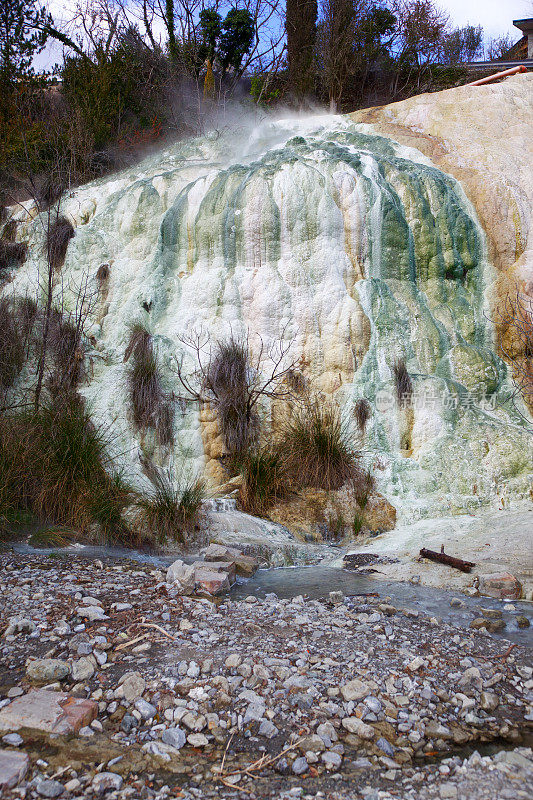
[234, 381]
[337, 34]
[499, 46]
[420, 31]
[300, 24]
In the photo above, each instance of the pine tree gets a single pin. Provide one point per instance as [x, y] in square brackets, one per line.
[23, 34]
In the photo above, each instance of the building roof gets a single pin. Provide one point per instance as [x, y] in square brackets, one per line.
[525, 25]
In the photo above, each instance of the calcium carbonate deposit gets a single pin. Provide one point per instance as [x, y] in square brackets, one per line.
[318, 233]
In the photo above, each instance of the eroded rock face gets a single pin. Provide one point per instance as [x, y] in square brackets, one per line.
[320, 514]
[357, 250]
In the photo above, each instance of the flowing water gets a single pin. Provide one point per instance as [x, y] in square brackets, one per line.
[316, 581]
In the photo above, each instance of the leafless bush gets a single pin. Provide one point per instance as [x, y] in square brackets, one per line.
[58, 235]
[362, 413]
[403, 383]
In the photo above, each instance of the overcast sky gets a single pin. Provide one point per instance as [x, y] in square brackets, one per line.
[495, 16]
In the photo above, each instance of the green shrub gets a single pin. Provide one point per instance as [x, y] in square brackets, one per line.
[264, 480]
[172, 510]
[316, 449]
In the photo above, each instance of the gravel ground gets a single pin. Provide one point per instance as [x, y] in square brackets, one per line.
[334, 698]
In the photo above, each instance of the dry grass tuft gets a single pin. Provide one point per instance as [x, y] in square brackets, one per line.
[316, 449]
[102, 273]
[53, 464]
[172, 511]
[49, 193]
[402, 382]
[264, 480]
[151, 408]
[228, 379]
[59, 234]
[12, 254]
[12, 350]
[362, 413]
[66, 346]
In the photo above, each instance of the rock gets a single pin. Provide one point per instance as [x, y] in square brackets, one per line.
[19, 625]
[300, 765]
[91, 613]
[128, 723]
[211, 582]
[355, 690]
[448, 791]
[385, 746]
[132, 685]
[435, 730]
[522, 621]
[145, 709]
[197, 740]
[46, 670]
[48, 788]
[379, 515]
[491, 613]
[245, 565]
[312, 744]
[233, 661]
[514, 758]
[489, 701]
[12, 740]
[267, 729]
[175, 737]
[13, 768]
[358, 728]
[82, 670]
[48, 712]
[500, 585]
[182, 575]
[495, 625]
[331, 759]
[327, 733]
[336, 597]
[106, 782]
[225, 567]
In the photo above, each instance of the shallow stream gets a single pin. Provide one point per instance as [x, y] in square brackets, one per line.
[316, 581]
